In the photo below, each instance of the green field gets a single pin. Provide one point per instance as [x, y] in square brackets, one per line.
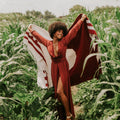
[22, 99]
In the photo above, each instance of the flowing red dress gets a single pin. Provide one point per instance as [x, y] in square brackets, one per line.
[60, 67]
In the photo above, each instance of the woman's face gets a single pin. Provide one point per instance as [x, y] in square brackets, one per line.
[58, 34]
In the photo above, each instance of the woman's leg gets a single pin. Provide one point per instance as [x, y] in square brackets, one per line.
[63, 98]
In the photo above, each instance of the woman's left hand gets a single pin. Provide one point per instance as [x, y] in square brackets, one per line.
[83, 17]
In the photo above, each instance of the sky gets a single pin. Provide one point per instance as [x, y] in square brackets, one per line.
[57, 7]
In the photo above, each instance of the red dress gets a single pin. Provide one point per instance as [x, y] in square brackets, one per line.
[59, 65]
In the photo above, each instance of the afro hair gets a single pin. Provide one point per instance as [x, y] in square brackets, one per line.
[57, 26]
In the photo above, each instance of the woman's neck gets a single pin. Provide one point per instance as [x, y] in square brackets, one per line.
[55, 40]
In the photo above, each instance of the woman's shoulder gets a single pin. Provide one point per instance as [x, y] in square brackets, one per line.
[63, 41]
[50, 42]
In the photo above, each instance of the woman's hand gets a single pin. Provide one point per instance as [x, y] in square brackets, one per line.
[30, 28]
[83, 17]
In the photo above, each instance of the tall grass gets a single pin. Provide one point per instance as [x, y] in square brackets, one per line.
[101, 98]
[22, 99]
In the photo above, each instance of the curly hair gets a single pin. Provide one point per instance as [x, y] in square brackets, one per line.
[57, 26]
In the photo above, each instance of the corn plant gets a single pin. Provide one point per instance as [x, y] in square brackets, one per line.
[22, 99]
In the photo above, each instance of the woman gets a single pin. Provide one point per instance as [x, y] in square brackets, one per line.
[60, 69]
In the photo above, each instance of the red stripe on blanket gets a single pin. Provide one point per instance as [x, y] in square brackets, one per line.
[89, 24]
[35, 41]
[25, 37]
[92, 31]
[35, 49]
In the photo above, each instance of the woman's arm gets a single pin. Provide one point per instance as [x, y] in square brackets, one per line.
[38, 36]
[72, 33]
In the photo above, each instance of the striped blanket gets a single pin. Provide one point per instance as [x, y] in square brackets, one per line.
[41, 56]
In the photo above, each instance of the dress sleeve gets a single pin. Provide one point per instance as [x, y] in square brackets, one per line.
[40, 38]
[73, 32]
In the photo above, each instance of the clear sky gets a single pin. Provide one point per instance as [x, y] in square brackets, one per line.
[57, 7]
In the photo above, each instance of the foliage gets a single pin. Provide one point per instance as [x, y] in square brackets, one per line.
[48, 15]
[22, 99]
[30, 14]
[101, 98]
[77, 8]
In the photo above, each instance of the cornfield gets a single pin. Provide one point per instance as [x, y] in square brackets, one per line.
[22, 99]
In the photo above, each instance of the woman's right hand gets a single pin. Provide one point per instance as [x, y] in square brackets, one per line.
[83, 17]
[30, 28]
